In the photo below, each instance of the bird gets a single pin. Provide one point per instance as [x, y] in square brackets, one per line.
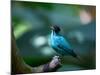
[59, 43]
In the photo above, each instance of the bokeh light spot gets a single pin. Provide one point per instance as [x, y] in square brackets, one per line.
[39, 41]
[47, 51]
[85, 17]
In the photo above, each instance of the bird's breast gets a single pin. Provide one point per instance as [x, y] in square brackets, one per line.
[52, 42]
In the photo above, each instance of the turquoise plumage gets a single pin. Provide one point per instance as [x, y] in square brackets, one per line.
[59, 44]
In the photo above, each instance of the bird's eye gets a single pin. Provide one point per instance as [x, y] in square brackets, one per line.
[56, 28]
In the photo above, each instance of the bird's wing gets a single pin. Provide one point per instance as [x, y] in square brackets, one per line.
[62, 42]
[64, 45]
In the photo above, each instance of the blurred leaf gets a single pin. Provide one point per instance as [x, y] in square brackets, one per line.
[20, 29]
[34, 5]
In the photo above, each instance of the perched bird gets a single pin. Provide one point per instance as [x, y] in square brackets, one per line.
[59, 44]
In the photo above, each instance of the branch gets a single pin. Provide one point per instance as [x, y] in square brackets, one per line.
[18, 65]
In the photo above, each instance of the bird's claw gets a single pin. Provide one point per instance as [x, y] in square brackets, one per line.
[55, 62]
[56, 57]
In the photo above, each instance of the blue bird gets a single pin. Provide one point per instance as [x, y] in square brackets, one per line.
[59, 44]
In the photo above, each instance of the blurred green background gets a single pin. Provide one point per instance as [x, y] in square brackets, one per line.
[31, 22]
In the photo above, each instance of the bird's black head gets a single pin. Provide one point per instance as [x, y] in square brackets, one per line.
[55, 28]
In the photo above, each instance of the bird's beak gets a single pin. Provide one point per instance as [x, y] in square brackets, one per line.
[52, 28]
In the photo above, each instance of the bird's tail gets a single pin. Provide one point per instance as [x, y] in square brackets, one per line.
[78, 58]
[75, 55]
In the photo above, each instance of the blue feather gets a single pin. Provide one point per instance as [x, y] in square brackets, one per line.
[60, 45]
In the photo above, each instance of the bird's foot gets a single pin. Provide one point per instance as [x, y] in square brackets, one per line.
[56, 57]
[53, 65]
[57, 60]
